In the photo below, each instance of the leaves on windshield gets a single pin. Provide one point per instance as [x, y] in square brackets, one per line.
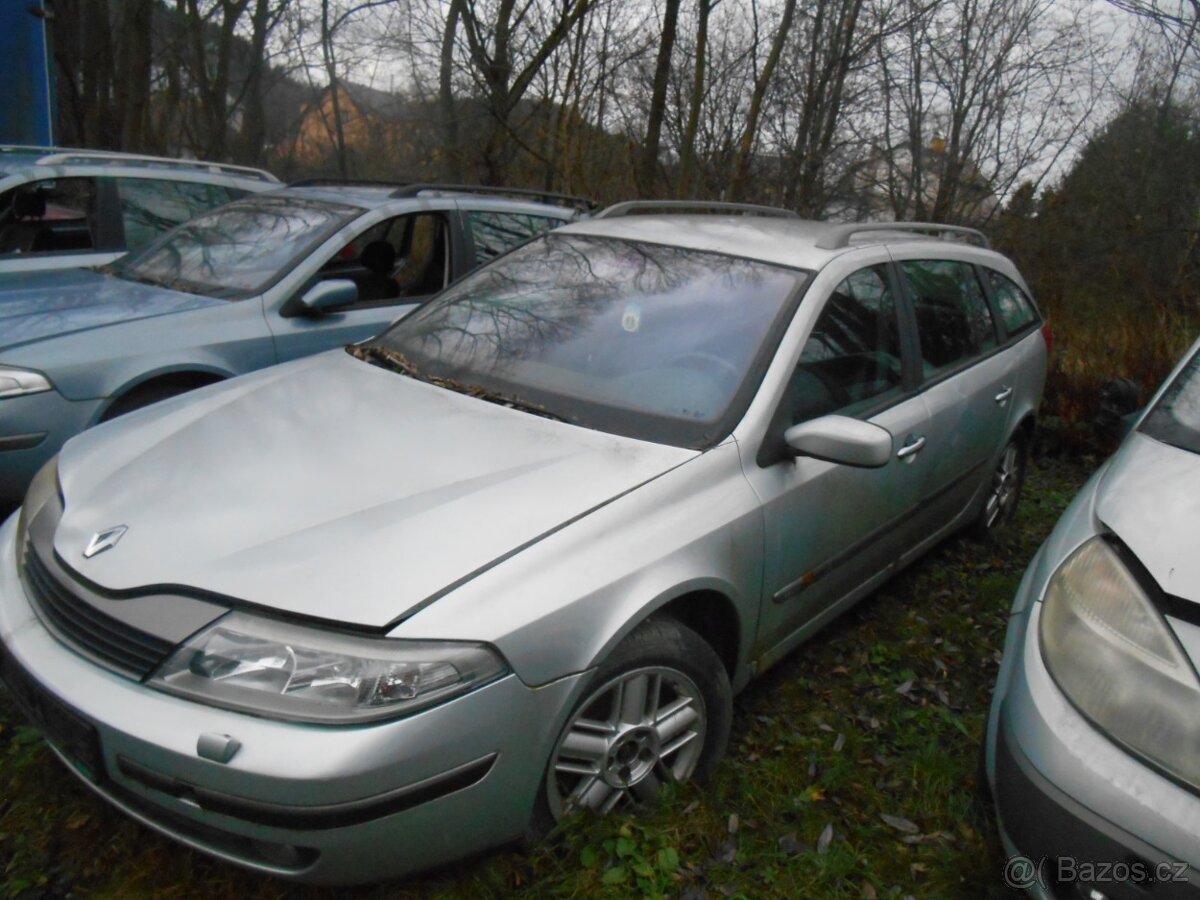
[398, 362]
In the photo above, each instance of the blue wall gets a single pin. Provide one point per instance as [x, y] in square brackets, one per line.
[26, 88]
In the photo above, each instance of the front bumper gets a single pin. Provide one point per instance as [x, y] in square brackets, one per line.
[32, 429]
[322, 804]
[1086, 815]
[1074, 851]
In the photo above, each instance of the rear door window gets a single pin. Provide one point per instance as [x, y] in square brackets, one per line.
[494, 233]
[954, 321]
[151, 206]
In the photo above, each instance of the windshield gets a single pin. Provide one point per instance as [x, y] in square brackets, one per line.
[1175, 419]
[238, 250]
[659, 343]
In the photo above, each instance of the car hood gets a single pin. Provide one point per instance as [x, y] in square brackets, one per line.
[1150, 499]
[332, 488]
[39, 305]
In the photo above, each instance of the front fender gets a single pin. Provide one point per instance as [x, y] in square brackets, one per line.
[562, 605]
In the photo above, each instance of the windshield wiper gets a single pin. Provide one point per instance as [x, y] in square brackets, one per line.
[398, 362]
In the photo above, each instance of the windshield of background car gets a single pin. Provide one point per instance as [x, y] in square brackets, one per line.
[660, 343]
[238, 250]
[1175, 419]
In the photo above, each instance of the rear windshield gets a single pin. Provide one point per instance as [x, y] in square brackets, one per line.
[659, 343]
[238, 250]
[1175, 419]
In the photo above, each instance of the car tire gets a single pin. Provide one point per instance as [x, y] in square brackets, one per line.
[1003, 490]
[657, 710]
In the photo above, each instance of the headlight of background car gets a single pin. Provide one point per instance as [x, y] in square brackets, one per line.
[1114, 656]
[287, 671]
[15, 382]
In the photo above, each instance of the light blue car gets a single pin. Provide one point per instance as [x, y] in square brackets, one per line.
[265, 279]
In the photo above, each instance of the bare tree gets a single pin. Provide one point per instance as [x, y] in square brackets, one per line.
[979, 94]
[762, 81]
[687, 149]
[648, 158]
[507, 44]
[1176, 25]
[823, 79]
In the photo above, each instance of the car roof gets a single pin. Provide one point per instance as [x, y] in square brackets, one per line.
[779, 239]
[58, 160]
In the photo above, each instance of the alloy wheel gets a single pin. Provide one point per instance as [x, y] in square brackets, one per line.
[1006, 482]
[634, 733]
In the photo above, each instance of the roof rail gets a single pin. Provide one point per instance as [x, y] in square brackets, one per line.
[838, 236]
[61, 157]
[629, 207]
[345, 182]
[31, 148]
[412, 190]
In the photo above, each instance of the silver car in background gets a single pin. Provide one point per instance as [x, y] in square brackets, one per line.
[1093, 744]
[377, 609]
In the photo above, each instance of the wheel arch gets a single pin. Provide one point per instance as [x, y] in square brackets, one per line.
[706, 609]
[713, 616]
[166, 381]
[1026, 429]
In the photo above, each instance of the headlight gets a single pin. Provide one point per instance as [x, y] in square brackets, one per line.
[285, 671]
[1114, 656]
[15, 382]
[43, 488]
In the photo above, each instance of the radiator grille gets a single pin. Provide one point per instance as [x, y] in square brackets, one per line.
[92, 632]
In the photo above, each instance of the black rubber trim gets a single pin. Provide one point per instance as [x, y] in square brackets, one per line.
[67, 729]
[311, 818]
[281, 857]
[1045, 824]
[21, 441]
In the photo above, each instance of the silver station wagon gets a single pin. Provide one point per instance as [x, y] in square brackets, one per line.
[376, 609]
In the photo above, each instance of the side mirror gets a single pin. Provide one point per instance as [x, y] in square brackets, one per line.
[840, 439]
[327, 296]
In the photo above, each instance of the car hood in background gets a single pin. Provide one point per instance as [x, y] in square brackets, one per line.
[47, 304]
[1150, 498]
[331, 488]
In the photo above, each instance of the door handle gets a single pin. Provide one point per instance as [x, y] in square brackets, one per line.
[1003, 396]
[911, 448]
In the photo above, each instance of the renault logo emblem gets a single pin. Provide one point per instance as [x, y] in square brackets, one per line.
[104, 540]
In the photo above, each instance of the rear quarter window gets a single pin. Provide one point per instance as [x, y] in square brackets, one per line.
[1016, 310]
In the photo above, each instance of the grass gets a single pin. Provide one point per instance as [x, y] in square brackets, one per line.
[1096, 340]
[880, 715]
